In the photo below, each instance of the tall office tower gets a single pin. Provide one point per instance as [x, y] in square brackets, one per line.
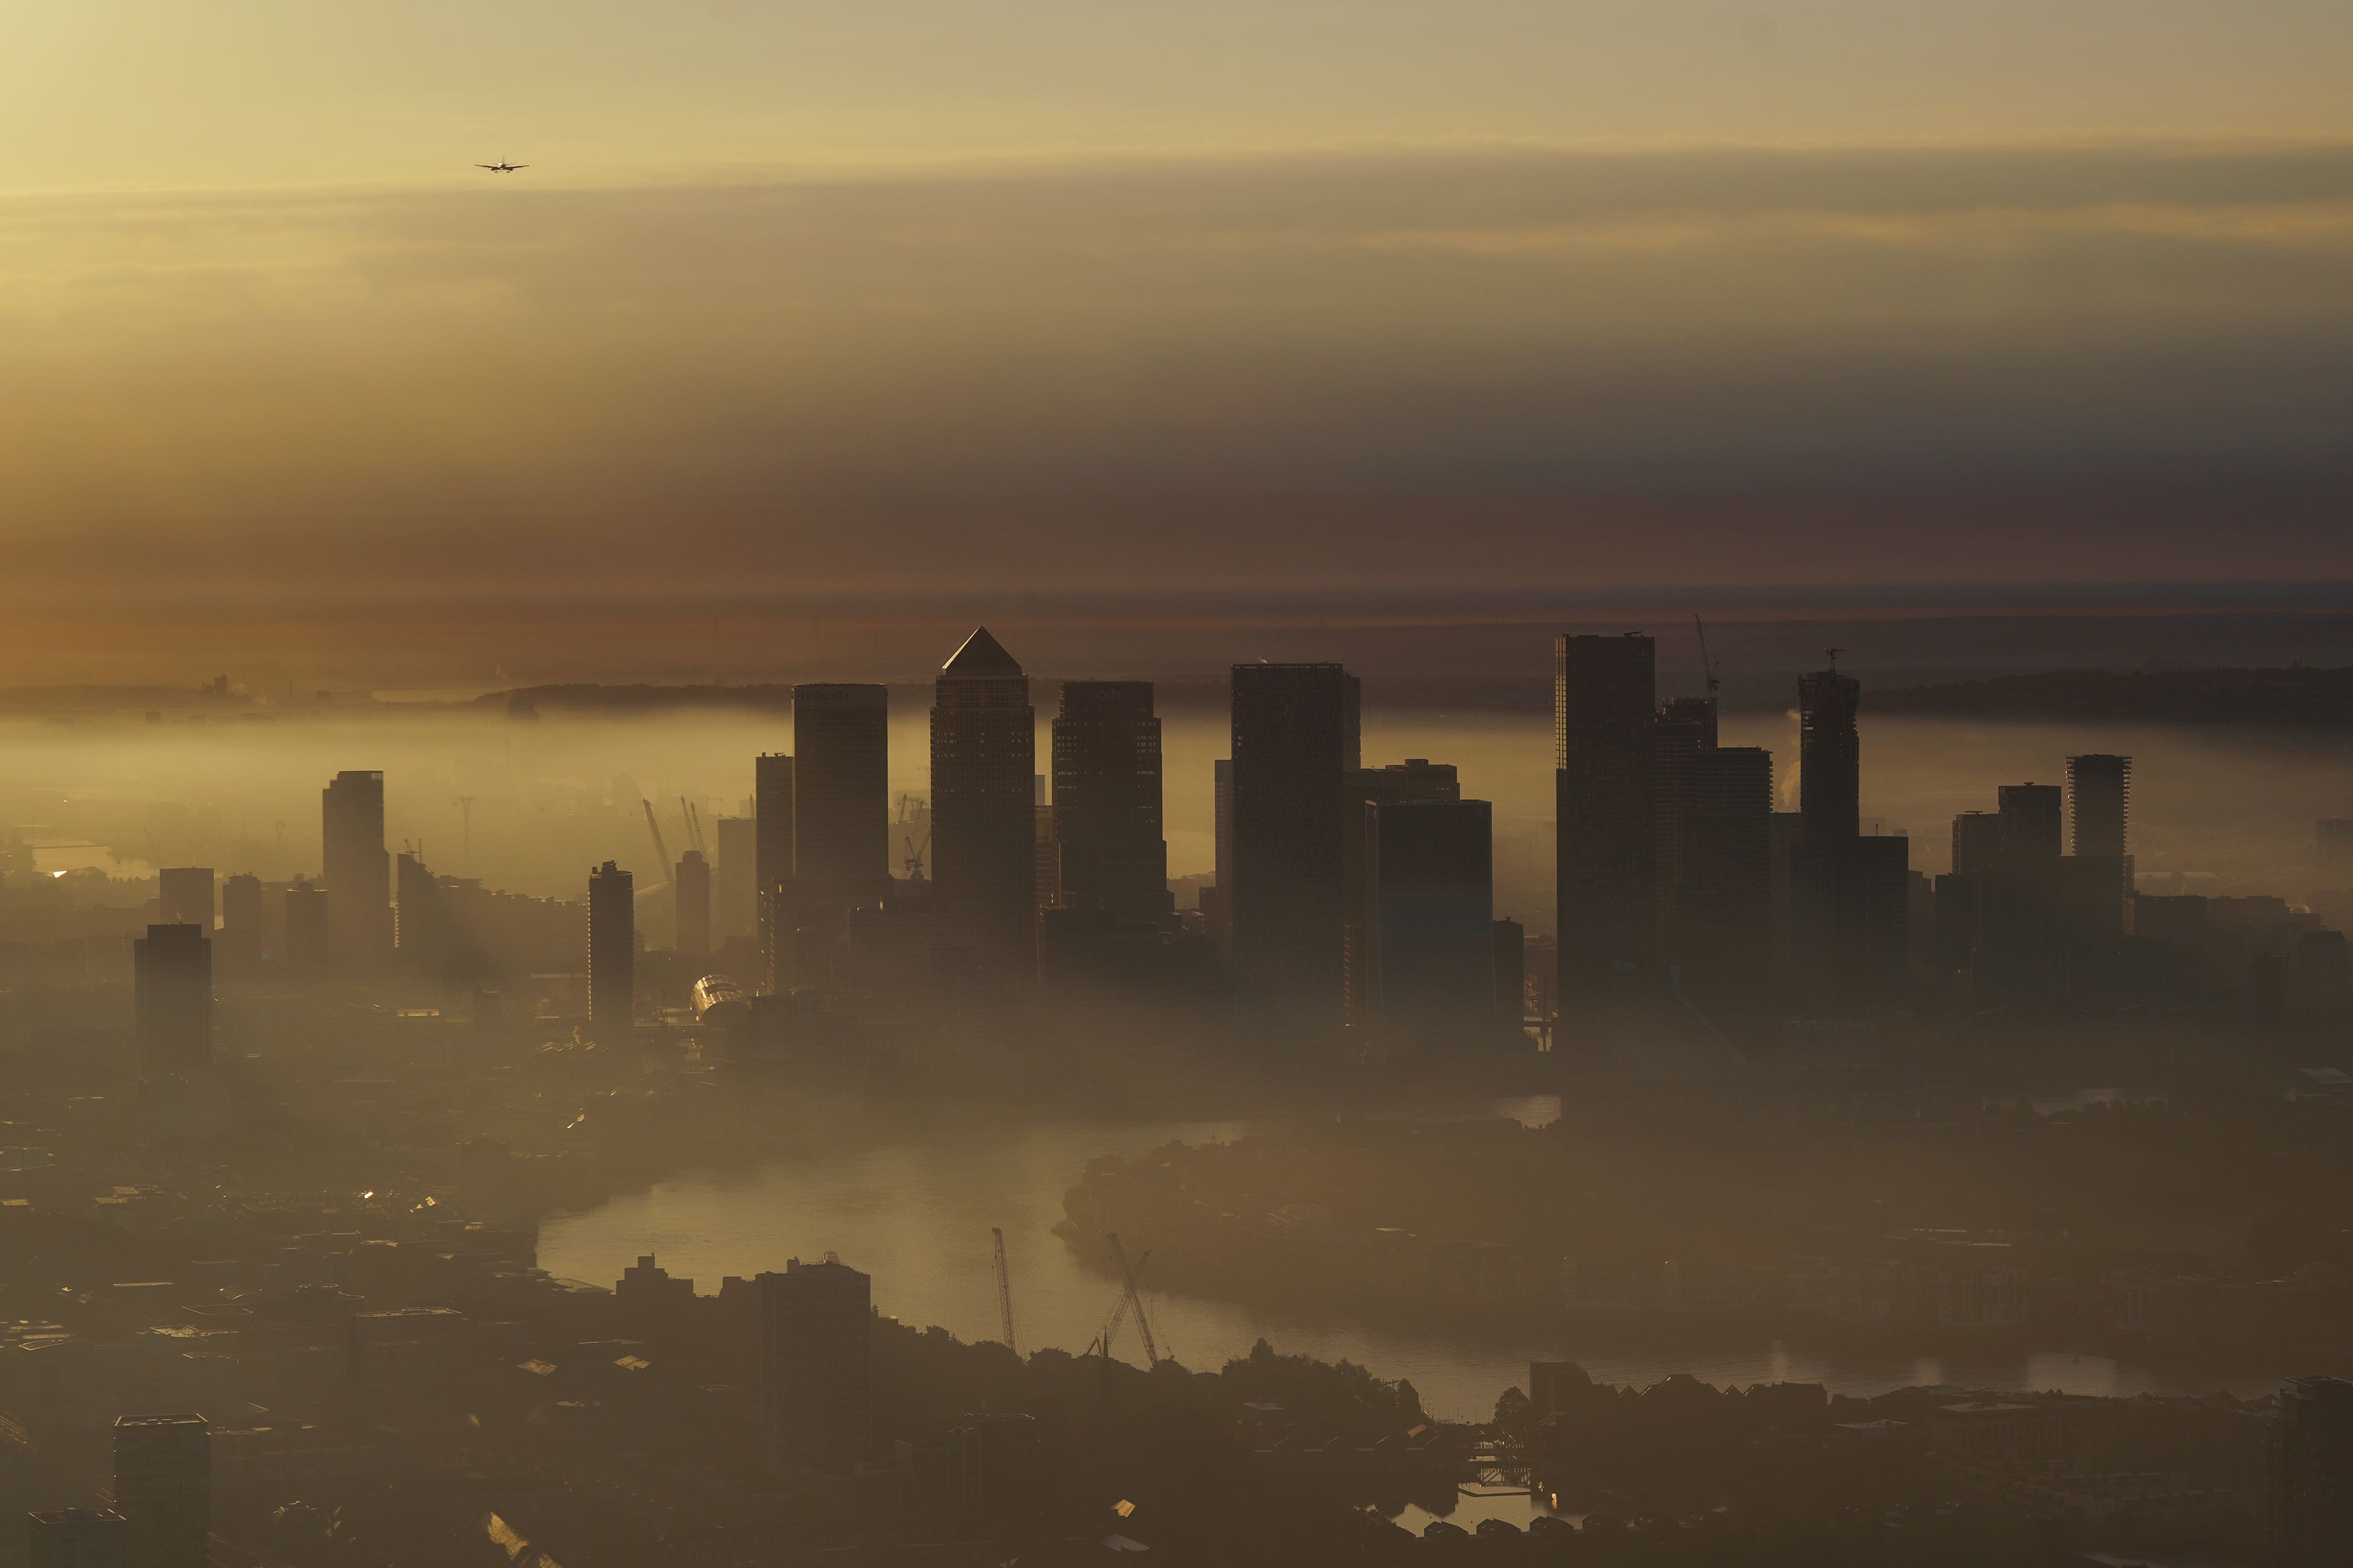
[817, 1327]
[358, 873]
[423, 936]
[171, 973]
[1977, 845]
[1510, 974]
[841, 791]
[1430, 871]
[1107, 799]
[76, 1538]
[2099, 790]
[1218, 914]
[164, 1489]
[1683, 729]
[1830, 756]
[184, 896]
[984, 793]
[1287, 898]
[2032, 833]
[1722, 921]
[691, 884]
[1604, 709]
[774, 805]
[2309, 1475]
[612, 952]
[309, 934]
[244, 938]
[1417, 778]
[1046, 861]
[734, 904]
[1352, 722]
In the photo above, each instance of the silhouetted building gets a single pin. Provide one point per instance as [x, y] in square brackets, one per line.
[840, 809]
[1287, 900]
[735, 880]
[1107, 799]
[612, 952]
[983, 794]
[774, 809]
[422, 934]
[1829, 755]
[164, 1489]
[1430, 873]
[1604, 706]
[1218, 901]
[2308, 1480]
[310, 933]
[184, 896]
[1720, 930]
[1416, 778]
[76, 1538]
[358, 873]
[1046, 848]
[815, 1381]
[692, 886]
[2032, 832]
[2099, 789]
[1850, 897]
[173, 999]
[2332, 843]
[1977, 846]
[244, 928]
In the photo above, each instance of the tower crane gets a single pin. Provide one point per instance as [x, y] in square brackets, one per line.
[693, 820]
[916, 855]
[1707, 666]
[1004, 1291]
[1143, 1327]
[661, 850]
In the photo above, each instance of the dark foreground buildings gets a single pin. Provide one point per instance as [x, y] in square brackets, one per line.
[172, 999]
[815, 1381]
[2308, 1483]
[358, 873]
[163, 1490]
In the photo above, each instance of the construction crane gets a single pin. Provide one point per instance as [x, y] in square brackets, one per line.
[1833, 652]
[687, 814]
[1707, 666]
[916, 855]
[1119, 1317]
[1143, 1327]
[1004, 1291]
[661, 850]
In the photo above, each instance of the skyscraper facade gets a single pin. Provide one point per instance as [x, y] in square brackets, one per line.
[309, 932]
[171, 1001]
[774, 803]
[77, 1538]
[1830, 756]
[983, 815]
[734, 881]
[612, 952]
[2099, 790]
[1287, 903]
[1107, 799]
[244, 938]
[1720, 931]
[1604, 698]
[1430, 875]
[1416, 778]
[164, 1488]
[184, 896]
[691, 885]
[841, 806]
[358, 873]
[2308, 1479]
[816, 1380]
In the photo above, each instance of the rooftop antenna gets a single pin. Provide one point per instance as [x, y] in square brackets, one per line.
[1833, 652]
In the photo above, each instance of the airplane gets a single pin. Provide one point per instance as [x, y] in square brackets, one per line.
[503, 168]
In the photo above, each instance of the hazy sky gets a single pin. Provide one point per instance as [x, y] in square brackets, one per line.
[803, 309]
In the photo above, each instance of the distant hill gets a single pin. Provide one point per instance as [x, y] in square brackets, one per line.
[2297, 697]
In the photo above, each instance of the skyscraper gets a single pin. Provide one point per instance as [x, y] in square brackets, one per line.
[1430, 875]
[816, 1329]
[2099, 789]
[76, 1538]
[244, 938]
[840, 807]
[171, 973]
[1830, 756]
[184, 896]
[735, 880]
[358, 873]
[983, 814]
[1217, 910]
[308, 931]
[1107, 799]
[1721, 927]
[164, 1488]
[2308, 1479]
[772, 808]
[612, 952]
[691, 884]
[424, 938]
[1287, 903]
[1604, 698]
[1413, 779]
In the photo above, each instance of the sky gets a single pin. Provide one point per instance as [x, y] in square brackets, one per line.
[802, 315]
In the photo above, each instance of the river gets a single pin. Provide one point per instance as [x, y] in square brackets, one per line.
[915, 1212]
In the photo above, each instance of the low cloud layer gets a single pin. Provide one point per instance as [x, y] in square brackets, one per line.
[1448, 370]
